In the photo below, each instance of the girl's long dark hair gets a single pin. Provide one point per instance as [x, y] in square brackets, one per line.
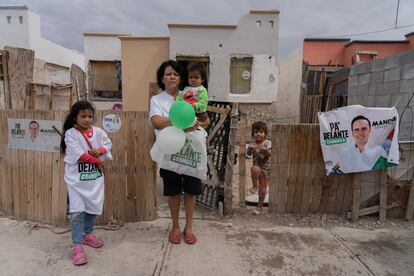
[70, 120]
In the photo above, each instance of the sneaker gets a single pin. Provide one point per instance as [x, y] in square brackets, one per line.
[78, 255]
[93, 240]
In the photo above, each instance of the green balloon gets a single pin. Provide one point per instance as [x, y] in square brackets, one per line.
[181, 114]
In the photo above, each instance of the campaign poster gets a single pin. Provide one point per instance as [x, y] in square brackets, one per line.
[36, 135]
[359, 139]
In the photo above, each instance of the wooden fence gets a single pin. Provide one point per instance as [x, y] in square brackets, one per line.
[298, 182]
[32, 185]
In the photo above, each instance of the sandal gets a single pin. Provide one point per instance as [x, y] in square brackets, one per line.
[93, 240]
[174, 238]
[78, 256]
[189, 238]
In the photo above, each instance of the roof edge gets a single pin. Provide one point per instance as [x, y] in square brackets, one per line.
[327, 39]
[128, 38]
[105, 34]
[271, 11]
[201, 26]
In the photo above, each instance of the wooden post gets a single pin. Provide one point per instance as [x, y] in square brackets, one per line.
[356, 196]
[410, 203]
[228, 178]
[383, 195]
[242, 160]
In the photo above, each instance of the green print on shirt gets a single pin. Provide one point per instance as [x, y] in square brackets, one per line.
[88, 172]
[187, 156]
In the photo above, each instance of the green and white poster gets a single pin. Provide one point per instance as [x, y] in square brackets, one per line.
[358, 139]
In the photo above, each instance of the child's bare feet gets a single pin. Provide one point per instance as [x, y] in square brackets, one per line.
[253, 190]
[257, 211]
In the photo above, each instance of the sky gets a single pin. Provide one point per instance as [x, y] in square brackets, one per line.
[64, 22]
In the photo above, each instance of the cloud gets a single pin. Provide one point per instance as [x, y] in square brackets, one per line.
[64, 21]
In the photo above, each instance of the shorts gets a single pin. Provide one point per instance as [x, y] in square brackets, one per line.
[175, 183]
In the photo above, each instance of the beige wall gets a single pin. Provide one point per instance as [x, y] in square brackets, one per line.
[288, 96]
[140, 58]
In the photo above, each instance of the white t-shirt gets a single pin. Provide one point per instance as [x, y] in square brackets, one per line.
[160, 105]
[352, 160]
[85, 182]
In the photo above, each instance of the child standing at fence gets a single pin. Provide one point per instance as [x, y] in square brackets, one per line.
[196, 93]
[260, 171]
[84, 147]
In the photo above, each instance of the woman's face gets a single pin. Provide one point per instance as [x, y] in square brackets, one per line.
[171, 79]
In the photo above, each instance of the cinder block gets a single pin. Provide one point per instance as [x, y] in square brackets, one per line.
[363, 79]
[406, 129]
[391, 62]
[352, 99]
[392, 74]
[390, 87]
[378, 65]
[406, 86]
[383, 101]
[353, 80]
[362, 90]
[361, 68]
[408, 72]
[370, 101]
[352, 91]
[407, 57]
[400, 100]
[376, 77]
[374, 88]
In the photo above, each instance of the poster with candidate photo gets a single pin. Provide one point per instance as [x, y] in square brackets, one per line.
[358, 139]
[36, 135]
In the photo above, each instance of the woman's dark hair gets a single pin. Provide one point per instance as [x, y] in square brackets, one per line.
[259, 125]
[176, 66]
[198, 67]
[70, 120]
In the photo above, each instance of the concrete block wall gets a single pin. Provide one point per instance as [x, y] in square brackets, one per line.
[384, 83]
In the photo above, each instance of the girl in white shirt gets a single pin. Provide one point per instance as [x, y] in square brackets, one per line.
[84, 147]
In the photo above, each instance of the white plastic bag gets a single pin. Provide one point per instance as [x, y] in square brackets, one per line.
[191, 160]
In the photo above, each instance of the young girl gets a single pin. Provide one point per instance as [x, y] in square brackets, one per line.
[196, 93]
[84, 147]
[260, 171]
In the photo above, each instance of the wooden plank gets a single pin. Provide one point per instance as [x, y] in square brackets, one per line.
[22, 176]
[29, 177]
[150, 179]
[130, 135]
[15, 177]
[228, 187]
[311, 143]
[47, 183]
[6, 86]
[371, 210]
[383, 195]
[9, 167]
[3, 149]
[356, 196]
[410, 204]
[242, 160]
[20, 65]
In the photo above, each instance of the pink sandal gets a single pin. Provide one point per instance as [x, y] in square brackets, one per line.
[93, 240]
[78, 255]
[189, 238]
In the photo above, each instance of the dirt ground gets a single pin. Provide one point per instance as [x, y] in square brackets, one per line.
[241, 244]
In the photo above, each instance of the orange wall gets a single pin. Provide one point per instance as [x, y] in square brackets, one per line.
[411, 40]
[321, 52]
[141, 57]
[383, 50]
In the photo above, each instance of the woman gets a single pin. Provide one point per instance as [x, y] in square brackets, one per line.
[169, 77]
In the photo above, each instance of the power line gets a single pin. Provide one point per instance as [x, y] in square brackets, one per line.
[374, 32]
[396, 16]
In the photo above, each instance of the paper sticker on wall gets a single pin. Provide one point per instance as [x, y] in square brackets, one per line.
[111, 123]
[246, 75]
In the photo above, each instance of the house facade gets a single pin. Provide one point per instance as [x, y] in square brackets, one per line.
[20, 27]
